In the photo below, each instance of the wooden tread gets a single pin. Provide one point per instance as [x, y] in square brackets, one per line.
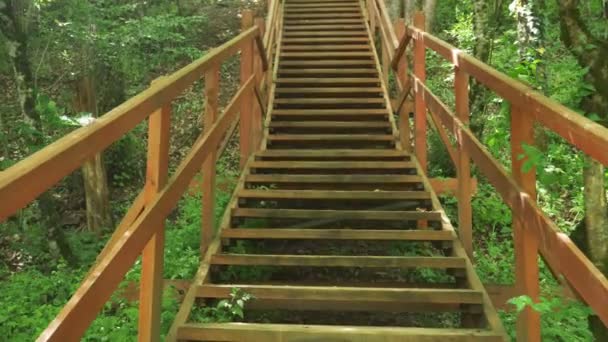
[398, 295]
[351, 195]
[337, 234]
[332, 179]
[244, 332]
[338, 261]
[381, 215]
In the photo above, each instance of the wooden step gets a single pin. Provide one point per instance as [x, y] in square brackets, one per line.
[324, 27]
[337, 234]
[325, 40]
[355, 81]
[244, 332]
[330, 112]
[313, 34]
[329, 195]
[334, 153]
[337, 101]
[326, 63]
[304, 16]
[330, 90]
[326, 55]
[374, 181]
[329, 3]
[321, 10]
[299, 73]
[330, 124]
[338, 261]
[325, 165]
[398, 295]
[330, 137]
[382, 215]
[322, 47]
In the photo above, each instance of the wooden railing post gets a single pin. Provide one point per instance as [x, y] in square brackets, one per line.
[246, 115]
[404, 115]
[525, 242]
[420, 123]
[465, 191]
[259, 76]
[372, 17]
[151, 282]
[212, 85]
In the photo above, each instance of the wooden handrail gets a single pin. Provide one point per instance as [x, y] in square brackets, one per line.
[556, 247]
[96, 289]
[403, 43]
[24, 181]
[560, 253]
[589, 136]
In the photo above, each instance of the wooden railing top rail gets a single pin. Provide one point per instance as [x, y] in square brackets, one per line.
[562, 255]
[589, 136]
[23, 182]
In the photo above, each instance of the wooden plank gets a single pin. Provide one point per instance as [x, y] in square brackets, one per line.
[338, 261]
[322, 10]
[212, 91]
[324, 27]
[245, 332]
[329, 100]
[321, 194]
[373, 153]
[525, 242]
[326, 63]
[334, 80]
[404, 41]
[326, 54]
[325, 40]
[420, 123]
[322, 47]
[324, 71]
[329, 112]
[463, 165]
[246, 114]
[334, 293]
[330, 90]
[330, 137]
[336, 214]
[331, 165]
[27, 179]
[337, 234]
[449, 186]
[331, 124]
[323, 16]
[338, 179]
[157, 170]
[74, 318]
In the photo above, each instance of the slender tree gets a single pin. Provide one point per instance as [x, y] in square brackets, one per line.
[487, 21]
[591, 50]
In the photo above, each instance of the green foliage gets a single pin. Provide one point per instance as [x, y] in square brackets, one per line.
[226, 310]
[561, 320]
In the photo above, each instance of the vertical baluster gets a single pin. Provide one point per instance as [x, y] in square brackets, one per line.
[372, 17]
[247, 54]
[420, 105]
[404, 115]
[212, 84]
[259, 75]
[465, 191]
[151, 283]
[526, 244]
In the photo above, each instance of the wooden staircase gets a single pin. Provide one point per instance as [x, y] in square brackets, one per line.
[333, 227]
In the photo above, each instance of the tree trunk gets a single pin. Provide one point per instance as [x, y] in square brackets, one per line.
[93, 171]
[429, 11]
[409, 8]
[591, 52]
[487, 19]
[15, 27]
